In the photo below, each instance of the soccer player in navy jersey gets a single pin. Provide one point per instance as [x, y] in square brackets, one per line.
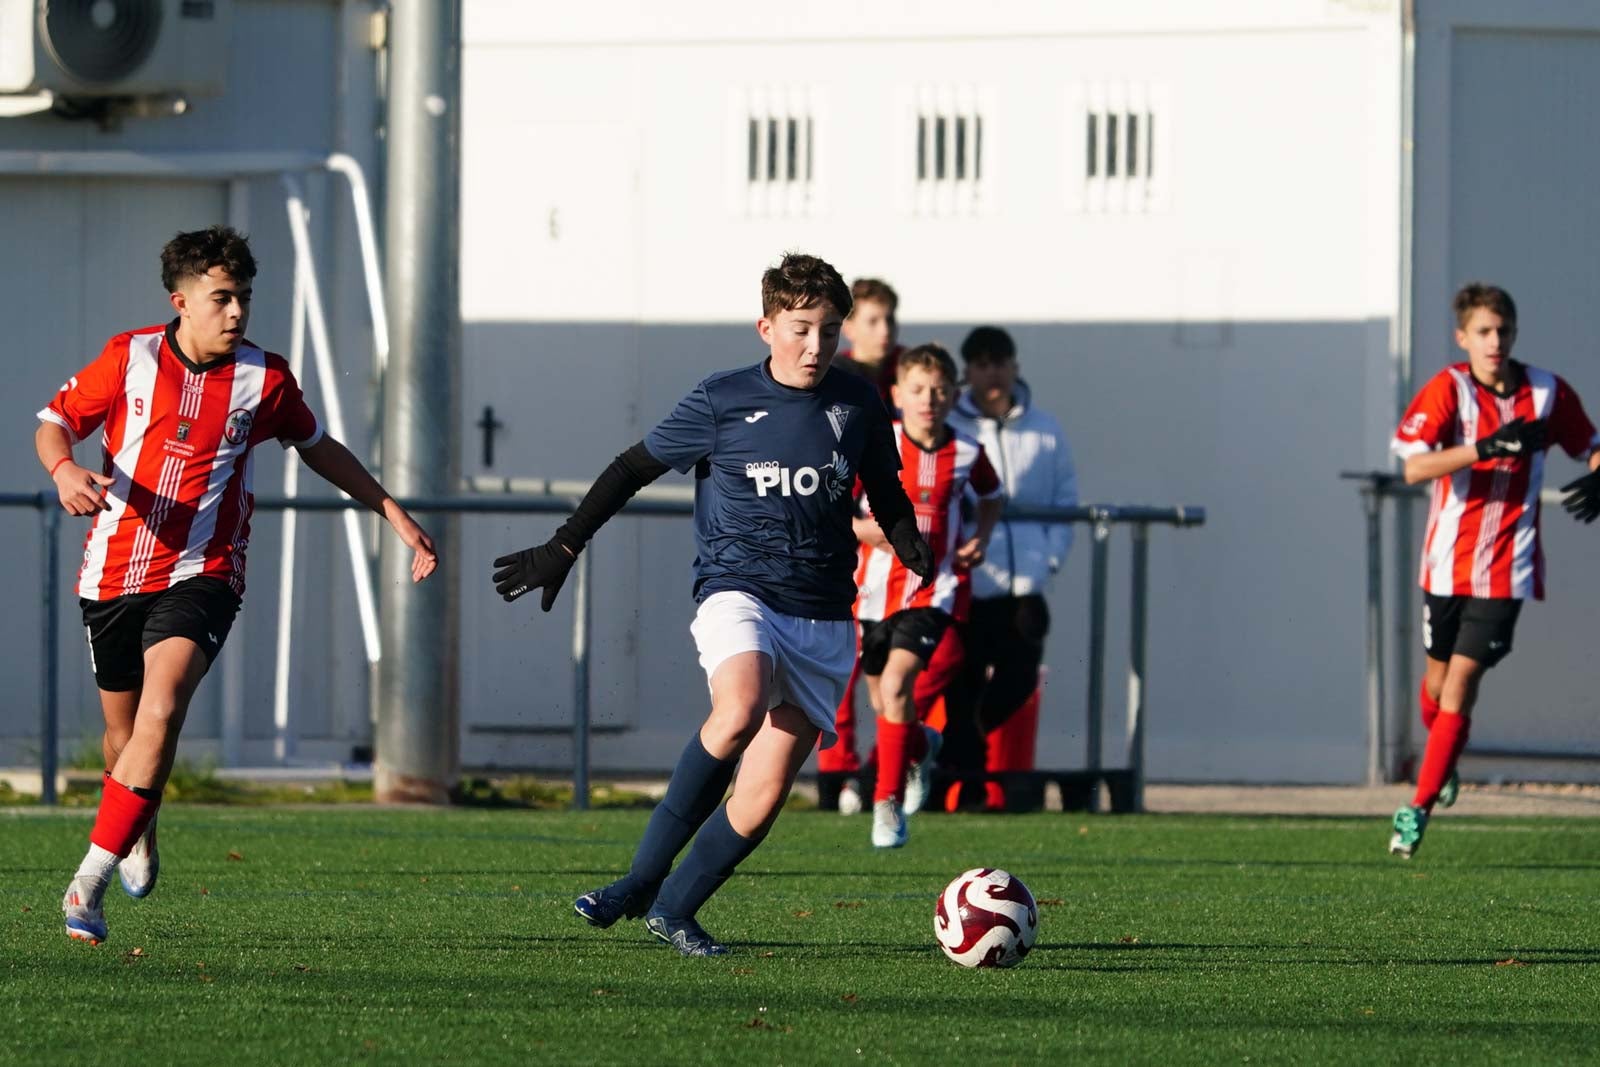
[776, 448]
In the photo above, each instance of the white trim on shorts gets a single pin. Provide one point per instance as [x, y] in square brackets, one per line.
[811, 658]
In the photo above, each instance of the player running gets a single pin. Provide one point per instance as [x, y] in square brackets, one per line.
[903, 618]
[1480, 428]
[776, 448]
[182, 407]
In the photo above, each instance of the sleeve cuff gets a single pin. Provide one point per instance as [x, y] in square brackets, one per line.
[316, 435]
[1405, 449]
[49, 415]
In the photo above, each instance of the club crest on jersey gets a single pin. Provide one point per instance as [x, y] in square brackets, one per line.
[184, 426]
[838, 415]
[237, 428]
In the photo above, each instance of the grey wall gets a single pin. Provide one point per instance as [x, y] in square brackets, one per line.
[1255, 618]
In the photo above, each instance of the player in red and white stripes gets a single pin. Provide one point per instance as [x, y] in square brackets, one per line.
[1479, 429]
[903, 617]
[180, 408]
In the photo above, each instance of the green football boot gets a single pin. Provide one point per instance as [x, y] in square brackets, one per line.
[1409, 822]
[1450, 790]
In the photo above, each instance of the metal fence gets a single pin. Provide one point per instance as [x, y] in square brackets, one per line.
[562, 498]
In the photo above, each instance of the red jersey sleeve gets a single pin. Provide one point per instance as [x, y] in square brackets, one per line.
[81, 405]
[289, 418]
[983, 479]
[1430, 421]
[1569, 425]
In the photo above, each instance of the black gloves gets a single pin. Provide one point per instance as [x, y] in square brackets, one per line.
[1583, 497]
[543, 566]
[910, 547]
[1515, 438]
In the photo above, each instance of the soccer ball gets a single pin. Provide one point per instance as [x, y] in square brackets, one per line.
[986, 918]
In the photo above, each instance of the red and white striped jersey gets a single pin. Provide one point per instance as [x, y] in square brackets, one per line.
[935, 482]
[177, 440]
[1483, 524]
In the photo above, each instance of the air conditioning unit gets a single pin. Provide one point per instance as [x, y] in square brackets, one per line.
[112, 48]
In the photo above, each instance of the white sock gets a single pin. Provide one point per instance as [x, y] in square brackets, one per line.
[95, 870]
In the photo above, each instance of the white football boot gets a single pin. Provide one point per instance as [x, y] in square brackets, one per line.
[919, 776]
[138, 869]
[888, 825]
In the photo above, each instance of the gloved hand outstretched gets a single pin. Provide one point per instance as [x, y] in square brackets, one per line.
[1583, 497]
[1515, 438]
[540, 567]
[913, 551]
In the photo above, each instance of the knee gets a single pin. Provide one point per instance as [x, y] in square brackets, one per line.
[897, 682]
[732, 725]
[117, 737]
[160, 716]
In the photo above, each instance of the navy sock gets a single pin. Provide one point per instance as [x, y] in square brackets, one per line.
[718, 849]
[698, 785]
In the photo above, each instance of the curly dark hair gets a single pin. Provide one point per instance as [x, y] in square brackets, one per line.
[192, 254]
[802, 281]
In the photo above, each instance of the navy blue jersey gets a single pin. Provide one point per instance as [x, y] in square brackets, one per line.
[774, 469]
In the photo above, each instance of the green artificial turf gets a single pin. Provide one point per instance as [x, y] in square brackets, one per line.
[284, 936]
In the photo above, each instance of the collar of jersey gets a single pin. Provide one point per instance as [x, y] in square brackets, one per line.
[786, 390]
[198, 368]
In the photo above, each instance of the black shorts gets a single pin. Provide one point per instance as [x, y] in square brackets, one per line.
[122, 628]
[1476, 627]
[917, 630]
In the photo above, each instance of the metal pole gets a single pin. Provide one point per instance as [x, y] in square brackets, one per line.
[418, 737]
[50, 513]
[580, 685]
[1097, 647]
[282, 731]
[1136, 648]
[1372, 501]
[1404, 681]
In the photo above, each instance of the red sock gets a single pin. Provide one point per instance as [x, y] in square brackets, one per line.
[1430, 707]
[123, 816]
[1445, 742]
[894, 739]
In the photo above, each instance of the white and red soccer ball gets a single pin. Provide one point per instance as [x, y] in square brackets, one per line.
[986, 918]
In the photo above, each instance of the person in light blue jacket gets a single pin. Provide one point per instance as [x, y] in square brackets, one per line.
[1009, 619]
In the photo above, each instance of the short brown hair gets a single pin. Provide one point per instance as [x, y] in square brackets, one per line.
[1482, 295]
[876, 290]
[927, 357]
[193, 254]
[801, 281]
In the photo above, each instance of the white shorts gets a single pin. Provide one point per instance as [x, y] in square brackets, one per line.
[811, 658]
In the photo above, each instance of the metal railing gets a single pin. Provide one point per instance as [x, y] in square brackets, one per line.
[562, 497]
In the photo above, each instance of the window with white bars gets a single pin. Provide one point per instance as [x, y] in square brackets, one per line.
[773, 143]
[947, 162]
[1116, 148]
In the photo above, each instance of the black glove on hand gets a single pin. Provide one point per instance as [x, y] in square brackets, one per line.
[1583, 497]
[543, 566]
[1515, 438]
[911, 548]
